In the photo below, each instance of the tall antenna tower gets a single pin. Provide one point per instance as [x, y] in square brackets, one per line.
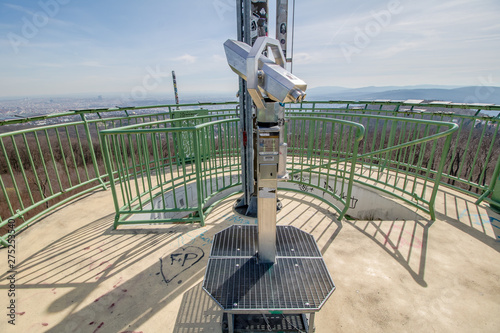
[175, 89]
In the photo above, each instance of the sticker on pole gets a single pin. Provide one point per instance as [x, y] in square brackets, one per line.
[267, 192]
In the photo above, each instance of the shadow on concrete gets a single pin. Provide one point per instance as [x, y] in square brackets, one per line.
[478, 221]
[132, 302]
[404, 241]
[198, 313]
[320, 228]
[88, 260]
[87, 254]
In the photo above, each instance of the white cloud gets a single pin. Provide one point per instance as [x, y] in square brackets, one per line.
[186, 58]
[302, 58]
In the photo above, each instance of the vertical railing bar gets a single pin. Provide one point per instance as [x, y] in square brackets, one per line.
[171, 136]
[164, 154]
[303, 148]
[210, 154]
[322, 149]
[81, 152]
[205, 172]
[53, 160]
[215, 157]
[134, 166]
[120, 166]
[381, 166]
[107, 161]
[126, 168]
[488, 156]
[6, 195]
[72, 154]
[147, 160]
[117, 156]
[30, 155]
[184, 170]
[479, 145]
[196, 142]
[63, 157]
[455, 146]
[142, 161]
[147, 156]
[351, 174]
[429, 164]
[330, 149]
[337, 150]
[399, 154]
[47, 178]
[310, 140]
[21, 166]
[13, 180]
[310, 150]
[230, 149]
[222, 158]
[421, 158]
[156, 157]
[416, 134]
[439, 173]
[388, 155]
[466, 149]
[411, 152]
[348, 149]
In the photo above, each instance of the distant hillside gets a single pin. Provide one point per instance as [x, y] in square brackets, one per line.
[473, 94]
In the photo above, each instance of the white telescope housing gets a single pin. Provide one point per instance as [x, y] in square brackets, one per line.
[266, 78]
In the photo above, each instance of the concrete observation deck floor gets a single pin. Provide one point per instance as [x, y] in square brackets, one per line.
[76, 274]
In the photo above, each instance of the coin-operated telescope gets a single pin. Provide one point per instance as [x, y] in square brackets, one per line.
[266, 78]
[270, 85]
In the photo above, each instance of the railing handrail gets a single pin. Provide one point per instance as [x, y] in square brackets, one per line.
[134, 129]
[106, 110]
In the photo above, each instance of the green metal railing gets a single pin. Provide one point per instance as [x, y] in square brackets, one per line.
[159, 180]
[322, 155]
[152, 185]
[392, 156]
[406, 151]
[472, 164]
[44, 167]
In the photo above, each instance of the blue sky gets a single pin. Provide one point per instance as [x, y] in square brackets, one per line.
[53, 47]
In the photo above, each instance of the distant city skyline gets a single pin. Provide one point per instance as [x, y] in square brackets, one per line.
[57, 47]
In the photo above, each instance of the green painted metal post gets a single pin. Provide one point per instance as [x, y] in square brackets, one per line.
[91, 148]
[197, 162]
[107, 162]
[495, 196]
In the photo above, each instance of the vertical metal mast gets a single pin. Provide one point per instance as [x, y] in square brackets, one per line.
[282, 24]
[252, 18]
[175, 89]
[243, 9]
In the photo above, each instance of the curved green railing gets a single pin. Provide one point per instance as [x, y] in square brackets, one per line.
[472, 163]
[156, 186]
[406, 151]
[44, 167]
[392, 160]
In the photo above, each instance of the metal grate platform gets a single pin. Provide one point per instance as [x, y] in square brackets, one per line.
[298, 282]
[266, 323]
[241, 241]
